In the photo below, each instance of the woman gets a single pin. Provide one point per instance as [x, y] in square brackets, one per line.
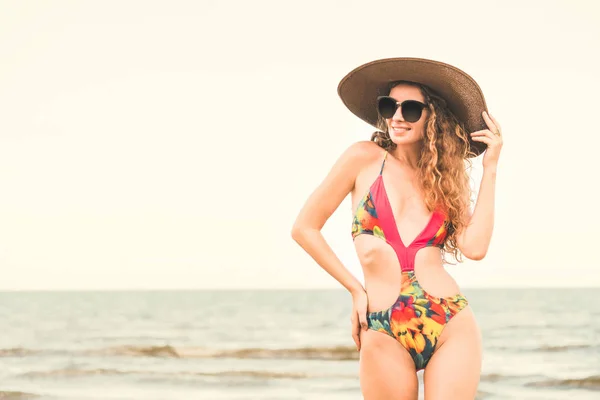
[411, 201]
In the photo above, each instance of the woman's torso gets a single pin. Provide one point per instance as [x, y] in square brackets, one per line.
[408, 227]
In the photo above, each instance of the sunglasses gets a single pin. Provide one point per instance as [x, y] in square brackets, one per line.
[411, 109]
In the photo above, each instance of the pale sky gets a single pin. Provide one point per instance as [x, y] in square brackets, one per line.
[170, 144]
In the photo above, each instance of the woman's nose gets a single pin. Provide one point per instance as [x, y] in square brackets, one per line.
[398, 115]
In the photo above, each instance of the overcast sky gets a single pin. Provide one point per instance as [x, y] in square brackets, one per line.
[170, 144]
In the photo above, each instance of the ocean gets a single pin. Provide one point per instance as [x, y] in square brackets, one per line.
[266, 344]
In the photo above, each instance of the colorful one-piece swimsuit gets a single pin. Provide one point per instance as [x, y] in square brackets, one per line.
[416, 319]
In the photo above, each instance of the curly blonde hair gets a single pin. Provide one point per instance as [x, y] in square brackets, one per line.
[443, 165]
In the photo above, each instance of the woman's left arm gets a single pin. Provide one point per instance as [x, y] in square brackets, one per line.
[475, 239]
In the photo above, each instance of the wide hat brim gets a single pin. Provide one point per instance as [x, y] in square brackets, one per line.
[361, 86]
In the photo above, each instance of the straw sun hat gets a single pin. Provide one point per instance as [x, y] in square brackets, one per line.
[361, 86]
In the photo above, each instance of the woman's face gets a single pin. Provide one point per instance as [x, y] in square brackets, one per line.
[413, 132]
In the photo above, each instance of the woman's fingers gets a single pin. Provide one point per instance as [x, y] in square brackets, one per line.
[483, 139]
[359, 316]
[495, 122]
[489, 122]
[355, 330]
[483, 132]
[362, 318]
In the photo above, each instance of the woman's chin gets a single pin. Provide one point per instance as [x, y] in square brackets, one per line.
[403, 138]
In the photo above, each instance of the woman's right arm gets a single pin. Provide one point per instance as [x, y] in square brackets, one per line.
[324, 200]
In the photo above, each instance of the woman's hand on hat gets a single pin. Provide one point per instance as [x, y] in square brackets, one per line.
[492, 137]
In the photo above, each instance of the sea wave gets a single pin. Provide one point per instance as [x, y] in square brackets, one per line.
[136, 351]
[17, 352]
[16, 395]
[75, 372]
[318, 353]
[590, 382]
[546, 348]
[168, 351]
[566, 347]
[496, 377]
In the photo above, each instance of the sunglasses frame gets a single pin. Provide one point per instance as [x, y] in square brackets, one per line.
[399, 105]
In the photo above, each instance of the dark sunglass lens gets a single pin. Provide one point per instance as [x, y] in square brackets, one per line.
[386, 107]
[411, 111]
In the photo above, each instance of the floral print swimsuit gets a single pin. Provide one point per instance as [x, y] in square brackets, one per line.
[416, 319]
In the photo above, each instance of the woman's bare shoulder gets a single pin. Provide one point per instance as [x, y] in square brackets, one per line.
[336, 185]
[350, 164]
[364, 151]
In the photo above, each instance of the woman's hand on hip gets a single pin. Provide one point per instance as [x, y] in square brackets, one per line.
[492, 137]
[359, 315]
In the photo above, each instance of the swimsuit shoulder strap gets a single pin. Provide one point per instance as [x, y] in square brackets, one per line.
[383, 163]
